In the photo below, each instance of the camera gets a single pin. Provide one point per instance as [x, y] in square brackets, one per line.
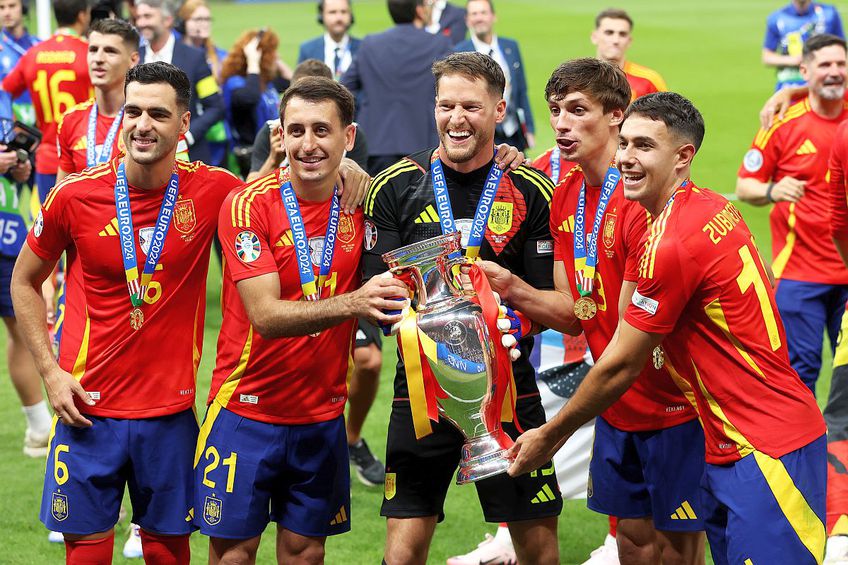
[19, 137]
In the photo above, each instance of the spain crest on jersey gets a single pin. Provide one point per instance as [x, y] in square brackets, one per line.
[184, 217]
[212, 510]
[347, 229]
[390, 485]
[609, 230]
[59, 507]
[500, 219]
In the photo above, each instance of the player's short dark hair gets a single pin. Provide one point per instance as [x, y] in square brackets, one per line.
[403, 11]
[820, 41]
[311, 68]
[679, 115]
[161, 72]
[320, 89]
[111, 26]
[489, 2]
[66, 11]
[603, 81]
[472, 65]
[613, 14]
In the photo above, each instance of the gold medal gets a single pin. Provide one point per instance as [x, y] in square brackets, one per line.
[585, 308]
[658, 357]
[136, 319]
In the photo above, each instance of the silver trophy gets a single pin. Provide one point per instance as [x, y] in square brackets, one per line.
[462, 359]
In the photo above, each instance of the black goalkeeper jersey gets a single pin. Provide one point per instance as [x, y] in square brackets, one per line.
[401, 209]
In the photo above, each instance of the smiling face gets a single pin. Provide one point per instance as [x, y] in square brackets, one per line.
[480, 18]
[152, 122]
[109, 59]
[467, 113]
[612, 38]
[152, 23]
[315, 139]
[583, 131]
[650, 159]
[825, 72]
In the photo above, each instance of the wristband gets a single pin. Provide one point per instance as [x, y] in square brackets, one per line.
[768, 192]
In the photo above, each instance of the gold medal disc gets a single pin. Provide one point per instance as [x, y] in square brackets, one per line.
[658, 357]
[585, 308]
[136, 319]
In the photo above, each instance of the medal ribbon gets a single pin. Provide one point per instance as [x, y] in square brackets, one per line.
[586, 248]
[92, 157]
[127, 235]
[481, 214]
[301, 243]
[555, 165]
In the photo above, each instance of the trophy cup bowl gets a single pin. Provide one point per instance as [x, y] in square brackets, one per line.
[452, 329]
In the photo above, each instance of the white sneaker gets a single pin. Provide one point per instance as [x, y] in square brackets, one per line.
[836, 552]
[55, 537]
[132, 549]
[607, 554]
[35, 444]
[491, 551]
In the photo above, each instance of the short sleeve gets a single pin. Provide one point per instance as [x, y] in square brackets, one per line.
[63, 147]
[244, 237]
[760, 161]
[15, 83]
[51, 235]
[772, 39]
[836, 184]
[557, 220]
[382, 232]
[668, 278]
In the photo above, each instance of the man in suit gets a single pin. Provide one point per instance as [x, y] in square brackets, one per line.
[517, 128]
[336, 47]
[391, 75]
[448, 20]
[154, 20]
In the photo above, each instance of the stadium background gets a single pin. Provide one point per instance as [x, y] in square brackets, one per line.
[707, 51]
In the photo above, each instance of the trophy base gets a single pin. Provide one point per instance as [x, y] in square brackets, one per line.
[482, 457]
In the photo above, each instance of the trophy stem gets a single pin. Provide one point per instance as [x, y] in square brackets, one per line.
[482, 457]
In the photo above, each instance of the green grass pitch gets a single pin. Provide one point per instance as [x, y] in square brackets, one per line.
[708, 51]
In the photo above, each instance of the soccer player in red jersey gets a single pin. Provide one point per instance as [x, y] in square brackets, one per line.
[612, 37]
[598, 235]
[273, 444]
[56, 74]
[787, 166]
[553, 164]
[703, 293]
[124, 384]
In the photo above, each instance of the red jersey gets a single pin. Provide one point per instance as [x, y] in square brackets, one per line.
[124, 369]
[799, 146]
[642, 80]
[543, 163]
[55, 72]
[72, 137]
[703, 284]
[838, 183]
[654, 402]
[290, 380]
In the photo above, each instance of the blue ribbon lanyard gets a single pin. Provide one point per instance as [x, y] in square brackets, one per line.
[481, 215]
[586, 249]
[10, 41]
[555, 165]
[127, 235]
[301, 243]
[92, 157]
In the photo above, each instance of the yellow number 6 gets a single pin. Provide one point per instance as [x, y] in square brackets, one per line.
[60, 469]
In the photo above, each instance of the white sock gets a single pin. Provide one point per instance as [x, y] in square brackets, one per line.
[502, 535]
[38, 417]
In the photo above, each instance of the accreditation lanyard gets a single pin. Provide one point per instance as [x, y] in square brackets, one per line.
[586, 248]
[481, 215]
[555, 165]
[127, 235]
[10, 41]
[92, 156]
[301, 243]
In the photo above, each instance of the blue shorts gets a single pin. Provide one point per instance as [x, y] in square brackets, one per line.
[7, 264]
[642, 474]
[45, 184]
[248, 473]
[768, 510]
[88, 468]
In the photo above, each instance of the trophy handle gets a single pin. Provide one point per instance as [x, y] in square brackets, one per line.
[452, 275]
